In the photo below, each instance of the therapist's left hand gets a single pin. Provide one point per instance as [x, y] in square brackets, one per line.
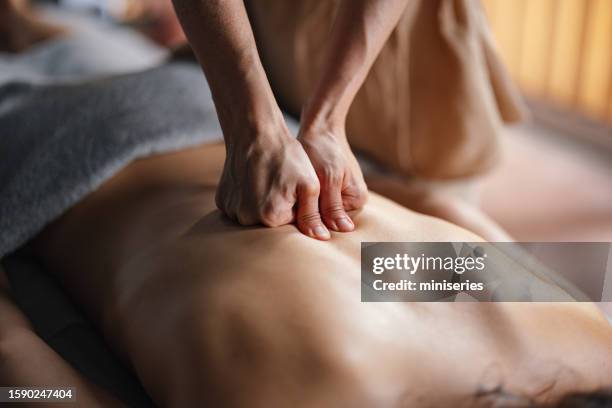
[342, 185]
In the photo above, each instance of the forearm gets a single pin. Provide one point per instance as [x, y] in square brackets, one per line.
[221, 37]
[360, 30]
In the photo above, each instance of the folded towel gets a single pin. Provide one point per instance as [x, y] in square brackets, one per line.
[59, 142]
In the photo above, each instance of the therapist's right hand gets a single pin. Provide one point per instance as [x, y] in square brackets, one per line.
[268, 178]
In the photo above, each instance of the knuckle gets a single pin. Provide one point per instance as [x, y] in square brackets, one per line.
[273, 216]
[245, 217]
[311, 218]
[356, 199]
[231, 215]
[311, 188]
[270, 219]
[242, 219]
[333, 211]
[225, 208]
[361, 195]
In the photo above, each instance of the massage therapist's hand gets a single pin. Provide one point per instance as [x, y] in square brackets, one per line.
[342, 185]
[267, 173]
[266, 176]
[360, 29]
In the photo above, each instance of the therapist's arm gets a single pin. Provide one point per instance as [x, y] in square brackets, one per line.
[359, 32]
[266, 171]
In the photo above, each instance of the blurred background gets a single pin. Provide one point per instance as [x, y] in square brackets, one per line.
[554, 182]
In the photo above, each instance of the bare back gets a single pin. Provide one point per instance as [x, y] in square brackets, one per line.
[260, 316]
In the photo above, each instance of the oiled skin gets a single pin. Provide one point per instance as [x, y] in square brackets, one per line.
[207, 311]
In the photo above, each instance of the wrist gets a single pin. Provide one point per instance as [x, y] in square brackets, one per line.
[256, 129]
[322, 126]
[248, 116]
[324, 115]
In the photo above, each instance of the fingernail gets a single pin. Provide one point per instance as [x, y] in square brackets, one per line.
[321, 232]
[345, 224]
